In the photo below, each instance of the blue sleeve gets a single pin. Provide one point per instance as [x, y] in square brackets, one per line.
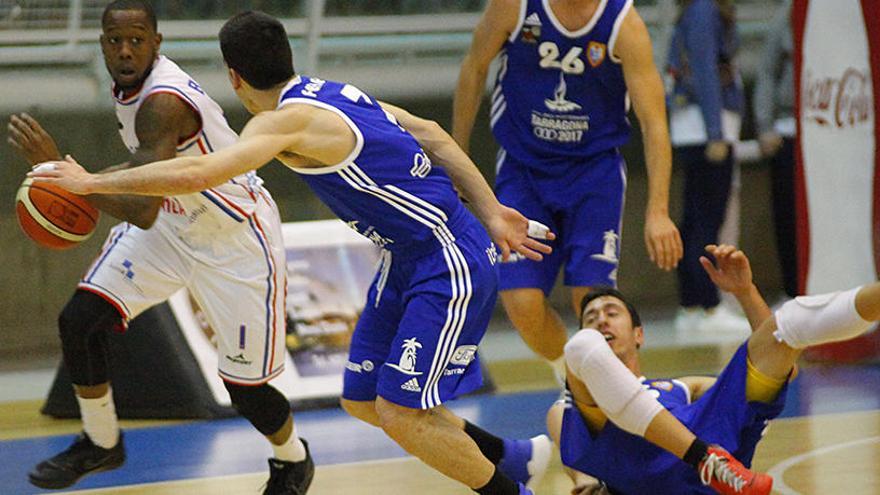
[701, 30]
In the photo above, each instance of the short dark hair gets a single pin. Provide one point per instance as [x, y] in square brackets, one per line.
[604, 290]
[255, 45]
[140, 5]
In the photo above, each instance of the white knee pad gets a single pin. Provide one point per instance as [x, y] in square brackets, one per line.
[814, 320]
[617, 392]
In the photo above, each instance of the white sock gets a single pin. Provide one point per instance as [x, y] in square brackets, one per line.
[819, 319]
[558, 366]
[99, 419]
[291, 450]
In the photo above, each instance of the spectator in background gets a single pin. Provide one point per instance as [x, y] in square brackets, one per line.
[773, 106]
[705, 116]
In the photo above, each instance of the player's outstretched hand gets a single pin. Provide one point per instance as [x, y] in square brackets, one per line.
[663, 241]
[511, 231]
[29, 138]
[66, 174]
[731, 271]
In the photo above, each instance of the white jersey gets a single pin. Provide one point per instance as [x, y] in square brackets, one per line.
[215, 209]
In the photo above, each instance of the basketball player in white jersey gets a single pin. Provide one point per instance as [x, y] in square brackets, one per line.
[223, 244]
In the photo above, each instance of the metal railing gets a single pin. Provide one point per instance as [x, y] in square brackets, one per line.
[58, 32]
[61, 38]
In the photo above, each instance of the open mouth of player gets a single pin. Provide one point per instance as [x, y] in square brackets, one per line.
[127, 73]
[608, 337]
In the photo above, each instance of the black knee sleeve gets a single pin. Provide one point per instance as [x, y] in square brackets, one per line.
[263, 405]
[83, 325]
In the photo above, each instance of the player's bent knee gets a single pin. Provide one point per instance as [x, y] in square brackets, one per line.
[814, 320]
[616, 390]
[84, 314]
[394, 417]
[580, 346]
[84, 317]
[362, 410]
[263, 405]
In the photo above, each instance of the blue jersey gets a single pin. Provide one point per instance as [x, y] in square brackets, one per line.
[558, 93]
[630, 464]
[387, 189]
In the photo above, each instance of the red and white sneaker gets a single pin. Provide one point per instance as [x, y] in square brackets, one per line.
[728, 476]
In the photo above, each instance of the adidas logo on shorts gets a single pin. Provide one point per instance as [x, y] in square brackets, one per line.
[411, 386]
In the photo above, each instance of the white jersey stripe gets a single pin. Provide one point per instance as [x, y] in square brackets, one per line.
[446, 347]
[428, 206]
[468, 293]
[498, 115]
[429, 395]
[367, 185]
[271, 297]
[342, 173]
[496, 104]
[454, 308]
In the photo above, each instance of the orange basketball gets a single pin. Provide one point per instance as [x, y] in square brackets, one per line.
[53, 217]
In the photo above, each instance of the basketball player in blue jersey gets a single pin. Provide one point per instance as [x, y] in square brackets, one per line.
[386, 173]
[612, 414]
[222, 243]
[568, 70]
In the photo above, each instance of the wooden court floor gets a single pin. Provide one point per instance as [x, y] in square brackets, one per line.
[828, 444]
[828, 454]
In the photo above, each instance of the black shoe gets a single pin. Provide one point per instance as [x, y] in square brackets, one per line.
[290, 478]
[80, 459]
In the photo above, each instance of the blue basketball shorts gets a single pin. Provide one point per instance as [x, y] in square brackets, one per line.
[416, 342]
[582, 202]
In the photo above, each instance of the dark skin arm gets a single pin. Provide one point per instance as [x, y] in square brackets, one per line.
[161, 122]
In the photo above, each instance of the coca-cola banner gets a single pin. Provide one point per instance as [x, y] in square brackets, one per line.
[837, 71]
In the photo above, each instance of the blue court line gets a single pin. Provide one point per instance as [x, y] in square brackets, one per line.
[231, 446]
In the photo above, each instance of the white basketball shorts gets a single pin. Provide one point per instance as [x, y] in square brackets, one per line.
[238, 277]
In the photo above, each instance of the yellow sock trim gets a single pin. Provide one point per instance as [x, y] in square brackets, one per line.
[760, 387]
